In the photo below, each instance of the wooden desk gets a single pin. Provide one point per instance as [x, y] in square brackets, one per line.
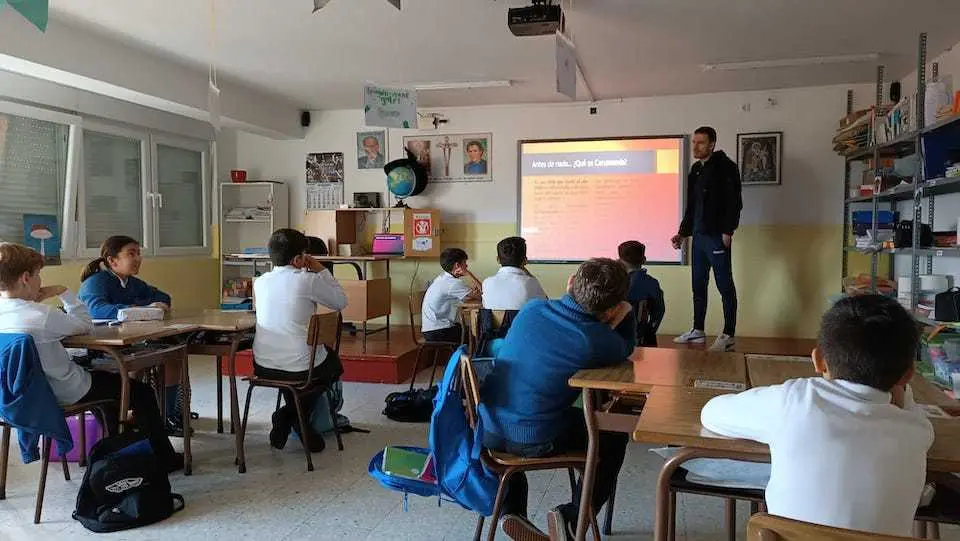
[236, 325]
[767, 370]
[114, 341]
[367, 298]
[647, 368]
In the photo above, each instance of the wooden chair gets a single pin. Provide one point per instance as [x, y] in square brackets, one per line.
[506, 464]
[435, 352]
[324, 330]
[45, 446]
[764, 527]
[471, 325]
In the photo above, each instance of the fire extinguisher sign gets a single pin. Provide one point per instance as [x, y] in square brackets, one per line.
[422, 225]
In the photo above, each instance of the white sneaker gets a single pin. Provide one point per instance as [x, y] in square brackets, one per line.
[723, 343]
[693, 336]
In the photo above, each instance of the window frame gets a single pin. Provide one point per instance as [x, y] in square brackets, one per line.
[74, 151]
[143, 136]
[184, 143]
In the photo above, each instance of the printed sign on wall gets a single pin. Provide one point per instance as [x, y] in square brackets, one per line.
[390, 107]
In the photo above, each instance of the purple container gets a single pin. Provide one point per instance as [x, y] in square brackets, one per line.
[93, 432]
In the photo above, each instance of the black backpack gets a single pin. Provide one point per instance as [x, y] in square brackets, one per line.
[413, 406]
[125, 486]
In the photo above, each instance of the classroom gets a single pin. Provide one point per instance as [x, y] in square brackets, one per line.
[530, 270]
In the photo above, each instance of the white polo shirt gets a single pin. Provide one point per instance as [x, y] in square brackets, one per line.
[287, 298]
[510, 288]
[442, 301]
[841, 454]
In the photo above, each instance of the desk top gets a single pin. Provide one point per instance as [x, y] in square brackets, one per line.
[765, 370]
[216, 320]
[128, 333]
[649, 367]
[361, 258]
[671, 416]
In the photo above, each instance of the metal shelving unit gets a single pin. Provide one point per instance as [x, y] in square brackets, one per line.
[906, 144]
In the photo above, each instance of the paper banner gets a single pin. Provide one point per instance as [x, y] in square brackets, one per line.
[35, 11]
[566, 67]
[394, 3]
[390, 107]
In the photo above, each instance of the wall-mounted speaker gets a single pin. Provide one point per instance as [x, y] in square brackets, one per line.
[895, 92]
[305, 119]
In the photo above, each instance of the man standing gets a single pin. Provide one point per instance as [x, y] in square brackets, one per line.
[712, 215]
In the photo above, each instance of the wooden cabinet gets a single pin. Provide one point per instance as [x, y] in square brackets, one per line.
[421, 233]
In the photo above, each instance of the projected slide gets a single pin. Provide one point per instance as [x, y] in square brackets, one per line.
[582, 198]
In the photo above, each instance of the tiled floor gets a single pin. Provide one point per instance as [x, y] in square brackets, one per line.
[277, 499]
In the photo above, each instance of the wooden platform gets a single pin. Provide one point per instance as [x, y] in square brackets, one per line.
[386, 361]
[800, 347]
[391, 361]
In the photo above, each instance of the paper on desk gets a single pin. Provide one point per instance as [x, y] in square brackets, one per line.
[719, 385]
[722, 472]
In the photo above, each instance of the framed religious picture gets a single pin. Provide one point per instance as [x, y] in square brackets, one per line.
[760, 156]
[454, 157]
[371, 149]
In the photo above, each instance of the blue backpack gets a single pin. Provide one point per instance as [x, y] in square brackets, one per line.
[461, 474]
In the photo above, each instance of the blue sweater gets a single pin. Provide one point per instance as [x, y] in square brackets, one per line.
[644, 287]
[104, 295]
[525, 396]
[26, 400]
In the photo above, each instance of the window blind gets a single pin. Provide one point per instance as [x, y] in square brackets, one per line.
[113, 169]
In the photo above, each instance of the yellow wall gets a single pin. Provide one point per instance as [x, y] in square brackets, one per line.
[191, 281]
[785, 275]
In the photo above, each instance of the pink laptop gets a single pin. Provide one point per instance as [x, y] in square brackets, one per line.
[387, 244]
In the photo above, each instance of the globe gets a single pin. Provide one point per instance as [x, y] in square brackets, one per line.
[402, 181]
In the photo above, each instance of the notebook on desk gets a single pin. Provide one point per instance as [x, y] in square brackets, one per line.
[387, 244]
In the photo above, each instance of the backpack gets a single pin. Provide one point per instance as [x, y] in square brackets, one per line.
[461, 474]
[413, 406]
[124, 486]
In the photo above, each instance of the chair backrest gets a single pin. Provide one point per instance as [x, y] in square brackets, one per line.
[415, 305]
[471, 388]
[764, 527]
[324, 330]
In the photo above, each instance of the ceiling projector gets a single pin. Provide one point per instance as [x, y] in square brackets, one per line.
[543, 18]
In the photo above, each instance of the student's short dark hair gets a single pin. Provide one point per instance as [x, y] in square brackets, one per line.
[512, 252]
[285, 245]
[633, 253]
[599, 285]
[708, 131]
[316, 246]
[450, 257]
[870, 340]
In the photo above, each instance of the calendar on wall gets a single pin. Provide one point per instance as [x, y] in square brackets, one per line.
[324, 172]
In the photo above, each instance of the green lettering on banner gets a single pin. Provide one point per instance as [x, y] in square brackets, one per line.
[35, 11]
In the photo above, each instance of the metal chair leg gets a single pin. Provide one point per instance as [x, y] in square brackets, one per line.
[730, 518]
[66, 467]
[933, 531]
[43, 478]
[479, 530]
[220, 396]
[303, 430]
[4, 456]
[416, 366]
[279, 396]
[573, 482]
[83, 440]
[498, 503]
[333, 421]
[242, 460]
[672, 523]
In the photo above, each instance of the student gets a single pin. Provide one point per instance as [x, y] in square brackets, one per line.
[287, 297]
[643, 287]
[526, 403]
[849, 449]
[513, 285]
[109, 283]
[22, 311]
[441, 302]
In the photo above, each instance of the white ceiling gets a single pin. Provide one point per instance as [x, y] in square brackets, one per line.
[628, 48]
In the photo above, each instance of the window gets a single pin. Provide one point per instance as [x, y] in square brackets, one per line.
[34, 167]
[181, 195]
[113, 190]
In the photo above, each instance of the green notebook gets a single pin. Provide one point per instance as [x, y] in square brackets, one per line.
[403, 463]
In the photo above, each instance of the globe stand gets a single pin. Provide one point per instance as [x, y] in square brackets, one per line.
[400, 204]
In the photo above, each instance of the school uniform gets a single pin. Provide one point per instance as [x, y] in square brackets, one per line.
[105, 294]
[441, 305]
[841, 454]
[510, 288]
[48, 325]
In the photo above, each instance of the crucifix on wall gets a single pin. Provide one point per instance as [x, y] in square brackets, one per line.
[447, 146]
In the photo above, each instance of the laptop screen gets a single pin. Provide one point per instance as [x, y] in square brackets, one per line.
[384, 244]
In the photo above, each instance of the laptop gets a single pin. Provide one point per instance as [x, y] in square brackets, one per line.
[387, 244]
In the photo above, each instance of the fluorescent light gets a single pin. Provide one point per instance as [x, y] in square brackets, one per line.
[791, 62]
[466, 85]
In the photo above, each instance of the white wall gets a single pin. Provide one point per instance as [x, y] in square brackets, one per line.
[812, 173]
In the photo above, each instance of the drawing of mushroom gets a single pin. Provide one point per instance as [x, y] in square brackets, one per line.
[41, 233]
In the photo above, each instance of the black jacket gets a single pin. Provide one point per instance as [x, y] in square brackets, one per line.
[722, 199]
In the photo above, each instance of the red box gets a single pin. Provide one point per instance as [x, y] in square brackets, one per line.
[244, 364]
